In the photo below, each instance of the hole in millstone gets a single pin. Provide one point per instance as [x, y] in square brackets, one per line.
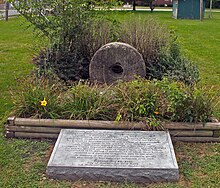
[117, 68]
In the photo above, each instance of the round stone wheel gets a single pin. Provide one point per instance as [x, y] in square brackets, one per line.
[116, 61]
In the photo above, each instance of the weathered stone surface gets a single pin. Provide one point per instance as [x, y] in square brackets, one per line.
[109, 155]
[116, 61]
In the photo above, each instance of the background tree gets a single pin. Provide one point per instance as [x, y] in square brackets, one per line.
[134, 4]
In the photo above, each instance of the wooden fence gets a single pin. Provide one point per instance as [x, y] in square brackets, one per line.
[50, 128]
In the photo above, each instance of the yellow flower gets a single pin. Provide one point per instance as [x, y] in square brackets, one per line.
[43, 103]
[156, 112]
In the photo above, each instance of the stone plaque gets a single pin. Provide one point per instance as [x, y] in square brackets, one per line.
[112, 155]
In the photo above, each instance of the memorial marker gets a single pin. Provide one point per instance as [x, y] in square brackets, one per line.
[110, 155]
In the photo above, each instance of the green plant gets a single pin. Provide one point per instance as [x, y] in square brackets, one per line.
[188, 103]
[174, 65]
[137, 99]
[160, 50]
[76, 31]
[70, 28]
[85, 101]
[148, 36]
[37, 97]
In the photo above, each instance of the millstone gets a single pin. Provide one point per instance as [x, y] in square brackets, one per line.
[116, 61]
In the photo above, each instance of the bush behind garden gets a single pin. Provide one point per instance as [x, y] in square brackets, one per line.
[76, 30]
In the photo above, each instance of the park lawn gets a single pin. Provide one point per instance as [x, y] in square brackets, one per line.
[23, 162]
[17, 48]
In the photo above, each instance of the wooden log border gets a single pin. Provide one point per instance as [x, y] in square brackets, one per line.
[50, 128]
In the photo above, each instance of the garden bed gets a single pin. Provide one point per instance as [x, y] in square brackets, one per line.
[50, 128]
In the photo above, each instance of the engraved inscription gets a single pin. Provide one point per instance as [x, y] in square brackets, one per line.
[106, 149]
[110, 155]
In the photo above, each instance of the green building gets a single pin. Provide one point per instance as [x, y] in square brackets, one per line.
[188, 9]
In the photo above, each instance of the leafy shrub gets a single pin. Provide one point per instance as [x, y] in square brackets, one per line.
[31, 91]
[74, 65]
[188, 103]
[76, 31]
[166, 99]
[160, 50]
[67, 66]
[70, 30]
[174, 65]
[84, 101]
[138, 100]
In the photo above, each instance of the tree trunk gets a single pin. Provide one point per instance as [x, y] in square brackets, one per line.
[6, 10]
[201, 10]
[134, 4]
[210, 9]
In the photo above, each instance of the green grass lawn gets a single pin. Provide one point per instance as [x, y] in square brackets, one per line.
[17, 48]
[23, 162]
